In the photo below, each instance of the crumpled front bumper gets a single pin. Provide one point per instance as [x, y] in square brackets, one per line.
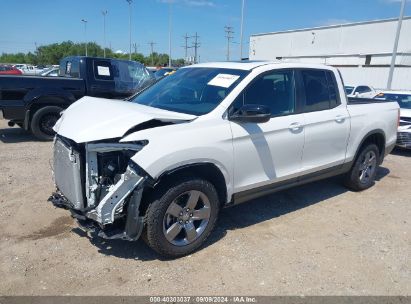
[128, 229]
[75, 175]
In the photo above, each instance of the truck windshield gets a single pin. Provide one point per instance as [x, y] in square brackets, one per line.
[195, 91]
[130, 76]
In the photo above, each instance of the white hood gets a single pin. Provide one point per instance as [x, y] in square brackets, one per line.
[92, 119]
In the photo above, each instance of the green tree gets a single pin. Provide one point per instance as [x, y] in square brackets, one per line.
[53, 53]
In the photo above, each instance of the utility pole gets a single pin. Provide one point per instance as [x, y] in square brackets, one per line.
[104, 31]
[185, 46]
[129, 25]
[397, 39]
[242, 30]
[85, 32]
[196, 46]
[229, 31]
[135, 46]
[152, 51]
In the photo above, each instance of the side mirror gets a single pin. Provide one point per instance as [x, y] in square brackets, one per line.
[252, 113]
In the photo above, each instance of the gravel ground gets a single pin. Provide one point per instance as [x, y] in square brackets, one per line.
[318, 239]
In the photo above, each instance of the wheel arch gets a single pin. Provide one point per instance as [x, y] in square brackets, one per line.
[205, 170]
[43, 101]
[376, 137]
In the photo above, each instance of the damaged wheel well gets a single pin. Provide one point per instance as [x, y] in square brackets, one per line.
[207, 171]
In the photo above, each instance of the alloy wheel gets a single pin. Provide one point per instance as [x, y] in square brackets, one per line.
[367, 167]
[186, 218]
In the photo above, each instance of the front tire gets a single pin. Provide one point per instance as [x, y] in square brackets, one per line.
[43, 122]
[362, 174]
[181, 217]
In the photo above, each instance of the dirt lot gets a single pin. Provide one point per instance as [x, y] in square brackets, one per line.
[319, 239]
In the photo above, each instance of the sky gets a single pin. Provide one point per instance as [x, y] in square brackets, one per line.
[25, 23]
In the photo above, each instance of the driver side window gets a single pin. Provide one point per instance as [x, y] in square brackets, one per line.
[274, 89]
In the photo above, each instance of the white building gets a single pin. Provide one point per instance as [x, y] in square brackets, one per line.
[362, 51]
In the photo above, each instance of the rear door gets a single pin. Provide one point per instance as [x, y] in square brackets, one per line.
[327, 123]
[269, 152]
[100, 76]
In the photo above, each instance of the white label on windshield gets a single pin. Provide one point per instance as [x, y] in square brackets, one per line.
[223, 80]
[103, 70]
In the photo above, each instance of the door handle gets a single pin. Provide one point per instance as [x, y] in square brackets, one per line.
[295, 127]
[339, 118]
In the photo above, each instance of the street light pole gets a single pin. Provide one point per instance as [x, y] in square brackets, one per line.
[104, 31]
[397, 39]
[242, 30]
[129, 24]
[85, 32]
[169, 34]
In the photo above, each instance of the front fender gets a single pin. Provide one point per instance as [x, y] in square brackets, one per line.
[174, 146]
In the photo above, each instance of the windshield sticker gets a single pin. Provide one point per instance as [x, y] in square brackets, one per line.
[103, 70]
[223, 80]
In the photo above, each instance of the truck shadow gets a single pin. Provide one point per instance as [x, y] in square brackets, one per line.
[401, 152]
[15, 135]
[239, 217]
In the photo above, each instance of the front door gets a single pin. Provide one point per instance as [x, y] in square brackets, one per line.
[265, 153]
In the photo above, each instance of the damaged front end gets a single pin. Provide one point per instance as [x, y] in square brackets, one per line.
[101, 187]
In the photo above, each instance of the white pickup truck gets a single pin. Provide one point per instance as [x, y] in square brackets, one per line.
[209, 136]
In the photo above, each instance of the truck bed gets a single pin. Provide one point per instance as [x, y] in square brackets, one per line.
[359, 100]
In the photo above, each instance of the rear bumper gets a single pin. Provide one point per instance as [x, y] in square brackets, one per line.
[14, 110]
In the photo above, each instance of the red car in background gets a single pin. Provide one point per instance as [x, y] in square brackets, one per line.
[9, 70]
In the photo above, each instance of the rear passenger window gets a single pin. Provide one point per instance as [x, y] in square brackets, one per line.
[103, 70]
[274, 90]
[333, 90]
[320, 90]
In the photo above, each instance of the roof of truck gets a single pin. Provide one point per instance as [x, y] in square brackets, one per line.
[235, 65]
[250, 65]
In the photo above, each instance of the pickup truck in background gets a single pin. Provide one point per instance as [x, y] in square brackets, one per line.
[35, 103]
[210, 136]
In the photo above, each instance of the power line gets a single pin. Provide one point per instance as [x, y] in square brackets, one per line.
[229, 31]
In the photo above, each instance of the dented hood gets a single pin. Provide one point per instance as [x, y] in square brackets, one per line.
[92, 119]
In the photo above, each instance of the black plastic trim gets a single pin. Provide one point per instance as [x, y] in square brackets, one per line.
[248, 195]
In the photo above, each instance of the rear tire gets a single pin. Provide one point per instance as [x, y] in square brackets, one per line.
[43, 122]
[363, 172]
[181, 217]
